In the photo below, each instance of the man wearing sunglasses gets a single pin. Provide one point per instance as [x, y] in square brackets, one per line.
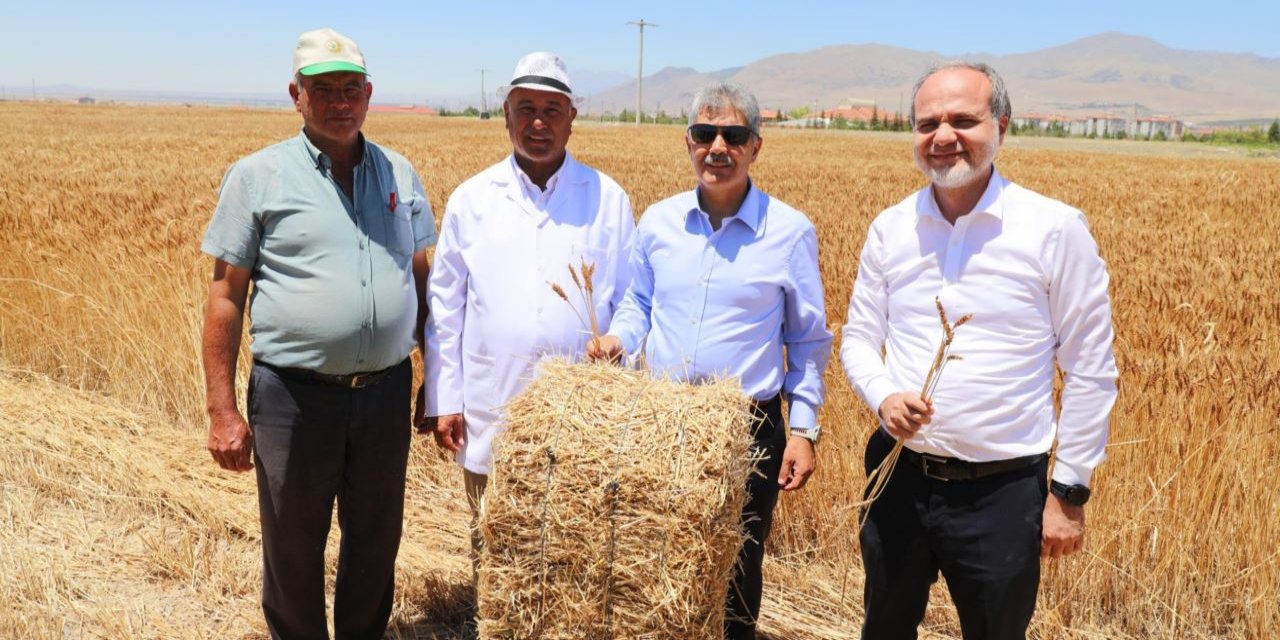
[725, 282]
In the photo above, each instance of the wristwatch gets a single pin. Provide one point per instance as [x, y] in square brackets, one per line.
[1076, 494]
[811, 435]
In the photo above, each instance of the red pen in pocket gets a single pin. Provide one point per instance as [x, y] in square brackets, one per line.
[391, 204]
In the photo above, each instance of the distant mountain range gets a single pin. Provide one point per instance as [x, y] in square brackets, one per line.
[1107, 73]
[1110, 73]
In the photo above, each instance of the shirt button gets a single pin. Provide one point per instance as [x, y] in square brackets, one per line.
[364, 283]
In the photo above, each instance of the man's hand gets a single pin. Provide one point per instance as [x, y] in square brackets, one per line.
[607, 348]
[450, 431]
[230, 440]
[798, 463]
[1063, 528]
[904, 413]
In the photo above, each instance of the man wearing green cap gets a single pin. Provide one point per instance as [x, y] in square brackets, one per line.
[332, 231]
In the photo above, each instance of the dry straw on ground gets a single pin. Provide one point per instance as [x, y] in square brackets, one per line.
[614, 507]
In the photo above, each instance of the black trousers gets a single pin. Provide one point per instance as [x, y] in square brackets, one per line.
[313, 444]
[983, 535]
[743, 605]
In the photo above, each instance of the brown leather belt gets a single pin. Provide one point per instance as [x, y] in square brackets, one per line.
[948, 469]
[357, 380]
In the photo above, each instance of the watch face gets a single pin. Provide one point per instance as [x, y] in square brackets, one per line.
[1077, 495]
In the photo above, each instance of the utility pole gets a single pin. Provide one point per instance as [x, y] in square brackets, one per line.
[640, 67]
[484, 103]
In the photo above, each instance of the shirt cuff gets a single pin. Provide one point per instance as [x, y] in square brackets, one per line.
[226, 255]
[804, 416]
[877, 391]
[1070, 474]
[628, 339]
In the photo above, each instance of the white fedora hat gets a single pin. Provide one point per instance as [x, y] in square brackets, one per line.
[541, 71]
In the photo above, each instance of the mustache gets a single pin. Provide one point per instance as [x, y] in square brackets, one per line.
[718, 160]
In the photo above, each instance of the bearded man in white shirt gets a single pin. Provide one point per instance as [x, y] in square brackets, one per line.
[969, 497]
[506, 234]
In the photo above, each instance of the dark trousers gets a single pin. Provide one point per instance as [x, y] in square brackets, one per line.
[743, 605]
[315, 443]
[983, 535]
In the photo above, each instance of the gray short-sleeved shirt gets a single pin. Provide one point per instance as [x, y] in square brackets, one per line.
[333, 276]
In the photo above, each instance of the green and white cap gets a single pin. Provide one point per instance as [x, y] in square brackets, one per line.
[326, 51]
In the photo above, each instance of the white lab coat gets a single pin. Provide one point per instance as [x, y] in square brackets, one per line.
[493, 312]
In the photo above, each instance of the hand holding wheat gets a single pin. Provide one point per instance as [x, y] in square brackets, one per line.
[905, 414]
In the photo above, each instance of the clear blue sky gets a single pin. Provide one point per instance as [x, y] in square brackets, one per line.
[435, 48]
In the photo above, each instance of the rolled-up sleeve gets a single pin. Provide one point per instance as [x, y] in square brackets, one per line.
[1081, 310]
[804, 333]
[423, 220]
[866, 327]
[234, 232]
[447, 300]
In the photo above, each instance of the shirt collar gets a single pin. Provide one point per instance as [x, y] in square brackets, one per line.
[991, 202]
[564, 173]
[320, 159]
[749, 212]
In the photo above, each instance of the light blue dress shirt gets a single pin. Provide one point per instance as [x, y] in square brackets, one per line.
[333, 287]
[742, 301]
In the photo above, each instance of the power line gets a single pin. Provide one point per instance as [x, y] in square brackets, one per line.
[640, 67]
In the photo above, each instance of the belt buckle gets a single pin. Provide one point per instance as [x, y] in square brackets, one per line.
[937, 461]
[357, 380]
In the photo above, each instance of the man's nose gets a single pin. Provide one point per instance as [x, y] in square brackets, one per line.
[718, 145]
[944, 135]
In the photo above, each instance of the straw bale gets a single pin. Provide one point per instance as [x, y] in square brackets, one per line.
[614, 507]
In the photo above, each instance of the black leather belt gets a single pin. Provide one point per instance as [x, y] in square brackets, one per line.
[948, 469]
[358, 380]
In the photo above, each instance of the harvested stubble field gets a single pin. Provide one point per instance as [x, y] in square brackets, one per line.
[115, 523]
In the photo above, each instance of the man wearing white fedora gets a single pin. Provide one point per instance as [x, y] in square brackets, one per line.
[332, 231]
[506, 233]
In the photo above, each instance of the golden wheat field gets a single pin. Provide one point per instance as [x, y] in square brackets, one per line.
[115, 523]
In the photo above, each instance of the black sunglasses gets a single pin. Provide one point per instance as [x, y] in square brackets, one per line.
[734, 135]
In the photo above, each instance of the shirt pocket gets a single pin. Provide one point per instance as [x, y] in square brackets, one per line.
[398, 229]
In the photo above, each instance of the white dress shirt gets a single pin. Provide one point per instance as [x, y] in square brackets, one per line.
[726, 302]
[1028, 270]
[493, 316]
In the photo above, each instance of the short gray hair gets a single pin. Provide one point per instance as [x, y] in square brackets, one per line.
[720, 96]
[1000, 106]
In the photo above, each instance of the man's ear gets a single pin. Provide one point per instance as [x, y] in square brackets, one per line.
[1004, 126]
